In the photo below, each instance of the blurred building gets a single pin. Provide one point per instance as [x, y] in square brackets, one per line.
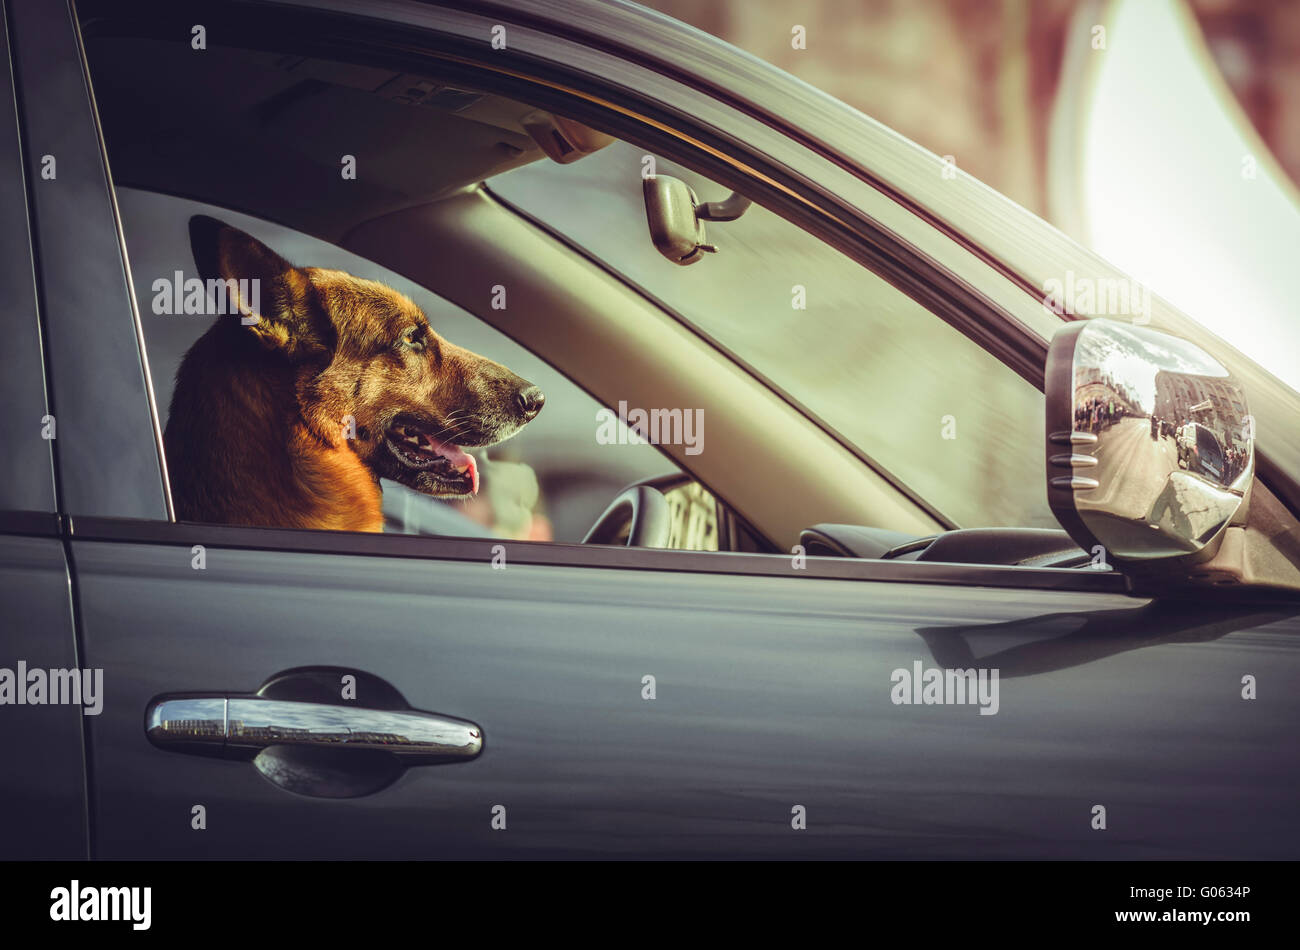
[977, 79]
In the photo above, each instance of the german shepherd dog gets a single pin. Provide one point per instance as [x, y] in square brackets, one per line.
[288, 415]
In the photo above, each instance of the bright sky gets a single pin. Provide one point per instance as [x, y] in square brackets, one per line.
[1164, 193]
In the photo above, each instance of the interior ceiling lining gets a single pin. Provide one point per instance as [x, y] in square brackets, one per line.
[268, 132]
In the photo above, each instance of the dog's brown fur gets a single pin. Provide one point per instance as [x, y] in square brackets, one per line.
[258, 432]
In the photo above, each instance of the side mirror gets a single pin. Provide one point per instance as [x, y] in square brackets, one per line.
[1150, 446]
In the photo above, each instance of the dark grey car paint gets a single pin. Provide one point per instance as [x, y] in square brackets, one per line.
[43, 781]
[770, 693]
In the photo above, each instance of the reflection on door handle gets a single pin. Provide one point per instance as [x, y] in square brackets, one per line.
[300, 737]
[242, 726]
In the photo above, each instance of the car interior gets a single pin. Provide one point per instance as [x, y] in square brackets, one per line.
[254, 131]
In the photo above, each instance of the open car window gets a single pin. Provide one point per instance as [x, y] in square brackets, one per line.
[929, 408]
[548, 483]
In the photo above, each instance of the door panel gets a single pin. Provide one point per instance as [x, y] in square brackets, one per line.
[770, 693]
[42, 784]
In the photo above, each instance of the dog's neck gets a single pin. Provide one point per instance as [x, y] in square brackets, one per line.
[241, 451]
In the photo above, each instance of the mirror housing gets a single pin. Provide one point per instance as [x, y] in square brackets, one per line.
[676, 217]
[675, 229]
[1150, 445]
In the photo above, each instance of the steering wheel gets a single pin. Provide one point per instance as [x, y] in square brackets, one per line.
[640, 511]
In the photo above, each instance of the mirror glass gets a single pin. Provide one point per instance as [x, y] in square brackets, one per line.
[1161, 448]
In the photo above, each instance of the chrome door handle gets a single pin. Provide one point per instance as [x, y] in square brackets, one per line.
[241, 726]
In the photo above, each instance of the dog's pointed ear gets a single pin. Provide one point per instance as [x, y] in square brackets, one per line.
[274, 299]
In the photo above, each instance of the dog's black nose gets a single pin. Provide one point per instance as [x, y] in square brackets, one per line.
[530, 401]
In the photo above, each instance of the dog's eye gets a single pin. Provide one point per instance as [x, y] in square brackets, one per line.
[414, 338]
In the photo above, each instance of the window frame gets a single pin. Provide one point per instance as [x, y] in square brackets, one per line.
[671, 118]
[106, 464]
[960, 297]
[28, 483]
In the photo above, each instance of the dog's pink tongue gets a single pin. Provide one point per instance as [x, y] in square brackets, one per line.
[473, 470]
[461, 461]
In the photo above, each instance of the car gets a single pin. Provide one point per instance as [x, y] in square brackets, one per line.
[1199, 449]
[885, 600]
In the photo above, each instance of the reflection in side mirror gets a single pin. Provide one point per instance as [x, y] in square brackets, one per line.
[1150, 447]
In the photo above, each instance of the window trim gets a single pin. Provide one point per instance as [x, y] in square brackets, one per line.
[25, 387]
[806, 202]
[73, 218]
[548, 553]
[816, 219]
[154, 415]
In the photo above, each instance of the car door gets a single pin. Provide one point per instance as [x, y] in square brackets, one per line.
[627, 702]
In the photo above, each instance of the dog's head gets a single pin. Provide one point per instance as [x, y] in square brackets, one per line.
[368, 369]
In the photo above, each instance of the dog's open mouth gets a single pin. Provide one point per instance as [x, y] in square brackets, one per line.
[448, 464]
